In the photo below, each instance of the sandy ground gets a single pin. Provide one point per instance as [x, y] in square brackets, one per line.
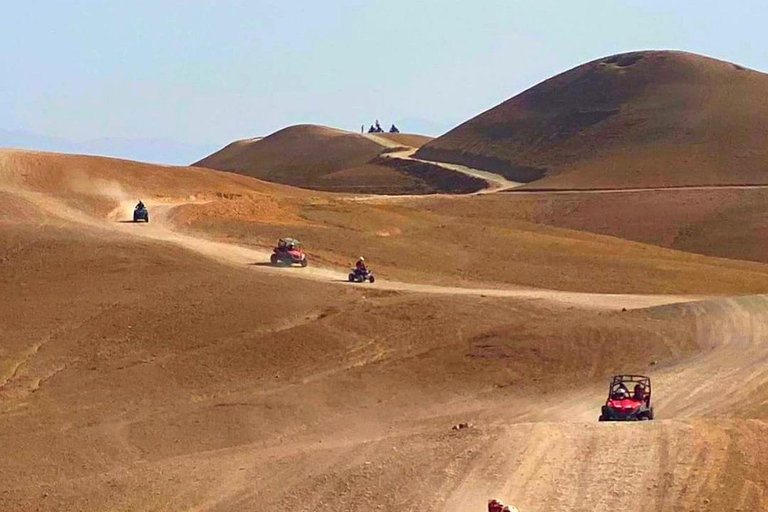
[150, 367]
[324, 158]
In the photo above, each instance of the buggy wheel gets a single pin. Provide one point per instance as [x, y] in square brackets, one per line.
[351, 277]
[650, 413]
[273, 259]
[371, 279]
[304, 262]
[601, 418]
[146, 219]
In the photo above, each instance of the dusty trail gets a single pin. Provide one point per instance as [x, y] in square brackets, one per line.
[549, 454]
[161, 230]
[496, 182]
[541, 453]
[552, 458]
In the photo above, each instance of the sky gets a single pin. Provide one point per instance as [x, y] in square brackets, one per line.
[208, 72]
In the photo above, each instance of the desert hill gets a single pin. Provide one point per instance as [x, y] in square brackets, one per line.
[404, 139]
[437, 241]
[641, 119]
[155, 367]
[323, 158]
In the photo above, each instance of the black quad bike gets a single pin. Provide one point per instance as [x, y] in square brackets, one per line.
[140, 213]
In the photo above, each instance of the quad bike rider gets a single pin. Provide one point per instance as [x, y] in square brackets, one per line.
[140, 212]
[621, 406]
[361, 273]
[287, 252]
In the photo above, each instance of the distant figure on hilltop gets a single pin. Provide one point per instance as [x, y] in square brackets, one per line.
[375, 128]
[393, 129]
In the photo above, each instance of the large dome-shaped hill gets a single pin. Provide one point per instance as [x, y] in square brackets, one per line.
[642, 119]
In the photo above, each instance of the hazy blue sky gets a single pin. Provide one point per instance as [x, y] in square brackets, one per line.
[204, 71]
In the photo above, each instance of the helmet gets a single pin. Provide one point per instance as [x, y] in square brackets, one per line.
[361, 259]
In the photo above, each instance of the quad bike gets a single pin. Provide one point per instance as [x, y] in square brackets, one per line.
[140, 213]
[360, 276]
[624, 404]
[288, 252]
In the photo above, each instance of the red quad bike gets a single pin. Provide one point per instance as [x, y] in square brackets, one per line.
[288, 252]
[629, 399]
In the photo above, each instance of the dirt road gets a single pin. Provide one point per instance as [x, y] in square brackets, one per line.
[138, 375]
[496, 182]
[160, 229]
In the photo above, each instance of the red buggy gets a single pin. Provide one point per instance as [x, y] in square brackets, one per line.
[629, 399]
[288, 252]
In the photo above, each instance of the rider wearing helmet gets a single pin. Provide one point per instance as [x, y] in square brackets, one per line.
[360, 267]
[639, 392]
[621, 393]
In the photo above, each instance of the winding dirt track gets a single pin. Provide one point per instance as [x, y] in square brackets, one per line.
[496, 182]
[161, 230]
[570, 462]
[540, 452]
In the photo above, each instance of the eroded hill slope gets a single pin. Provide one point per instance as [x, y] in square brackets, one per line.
[642, 119]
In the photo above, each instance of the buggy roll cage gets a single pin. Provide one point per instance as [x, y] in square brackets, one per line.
[288, 242]
[618, 380]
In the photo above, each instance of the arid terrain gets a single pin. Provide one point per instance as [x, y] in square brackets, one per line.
[641, 119]
[323, 158]
[167, 366]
